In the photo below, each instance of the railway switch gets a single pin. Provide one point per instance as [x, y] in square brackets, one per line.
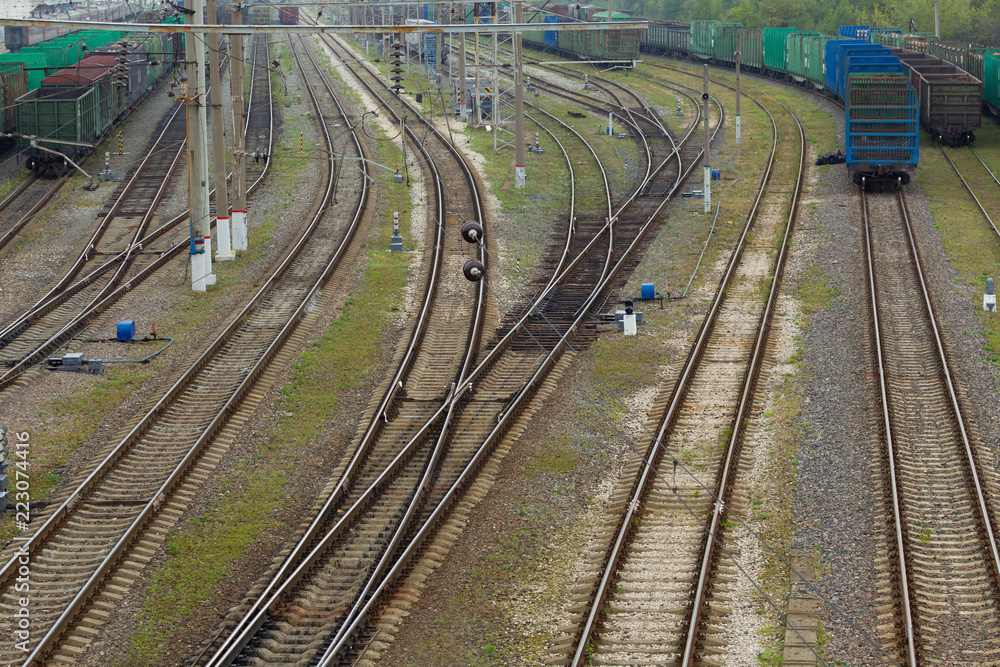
[472, 231]
[990, 298]
[474, 270]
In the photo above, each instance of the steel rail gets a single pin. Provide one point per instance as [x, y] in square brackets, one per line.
[609, 226]
[988, 170]
[33, 211]
[236, 397]
[292, 569]
[968, 187]
[505, 420]
[883, 382]
[982, 505]
[684, 380]
[502, 345]
[562, 271]
[650, 173]
[17, 192]
[739, 422]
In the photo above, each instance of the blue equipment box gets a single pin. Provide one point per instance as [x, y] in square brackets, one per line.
[126, 330]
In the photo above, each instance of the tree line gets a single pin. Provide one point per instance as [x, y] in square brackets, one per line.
[976, 21]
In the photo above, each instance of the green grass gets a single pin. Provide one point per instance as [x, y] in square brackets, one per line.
[814, 291]
[558, 457]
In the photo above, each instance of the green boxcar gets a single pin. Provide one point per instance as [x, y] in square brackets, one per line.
[702, 38]
[752, 48]
[813, 66]
[727, 42]
[991, 79]
[885, 36]
[615, 16]
[797, 54]
[775, 48]
[71, 114]
[679, 40]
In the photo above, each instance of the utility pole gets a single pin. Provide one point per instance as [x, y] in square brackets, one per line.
[462, 106]
[937, 18]
[520, 175]
[237, 71]
[738, 54]
[225, 252]
[197, 153]
[475, 88]
[707, 190]
[494, 113]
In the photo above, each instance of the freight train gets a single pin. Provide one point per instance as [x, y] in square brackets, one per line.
[949, 99]
[80, 103]
[620, 45]
[880, 102]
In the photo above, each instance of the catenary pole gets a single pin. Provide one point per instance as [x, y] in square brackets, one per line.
[197, 152]
[222, 231]
[520, 174]
[237, 73]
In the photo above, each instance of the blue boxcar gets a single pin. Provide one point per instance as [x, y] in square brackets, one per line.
[882, 115]
[837, 52]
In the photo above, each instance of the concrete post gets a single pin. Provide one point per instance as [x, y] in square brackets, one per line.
[463, 106]
[707, 188]
[197, 151]
[225, 251]
[237, 72]
[738, 55]
[520, 173]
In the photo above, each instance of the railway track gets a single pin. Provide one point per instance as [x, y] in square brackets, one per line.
[943, 545]
[485, 404]
[655, 556]
[36, 332]
[977, 177]
[304, 606]
[24, 203]
[106, 525]
[121, 254]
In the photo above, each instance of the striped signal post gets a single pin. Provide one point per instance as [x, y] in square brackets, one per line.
[707, 188]
[738, 54]
[121, 144]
